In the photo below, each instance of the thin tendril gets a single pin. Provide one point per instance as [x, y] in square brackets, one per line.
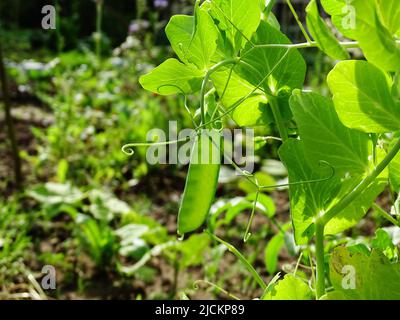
[184, 96]
[128, 148]
[250, 94]
[211, 284]
[237, 253]
[247, 233]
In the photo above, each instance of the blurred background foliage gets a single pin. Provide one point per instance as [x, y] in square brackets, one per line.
[106, 221]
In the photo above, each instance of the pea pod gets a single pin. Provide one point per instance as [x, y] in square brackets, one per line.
[201, 183]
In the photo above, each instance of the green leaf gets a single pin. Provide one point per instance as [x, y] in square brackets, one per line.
[232, 20]
[273, 248]
[179, 31]
[354, 212]
[371, 22]
[309, 199]
[342, 15]
[173, 77]
[285, 71]
[194, 39]
[290, 288]
[389, 13]
[383, 243]
[325, 138]
[376, 42]
[193, 250]
[375, 277]
[324, 37]
[362, 97]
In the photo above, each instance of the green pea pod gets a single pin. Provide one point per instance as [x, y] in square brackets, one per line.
[201, 182]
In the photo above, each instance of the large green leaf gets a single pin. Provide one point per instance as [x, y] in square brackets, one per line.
[289, 288]
[173, 77]
[194, 39]
[356, 210]
[377, 43]
[389, 12]
[282, 70]
[375, 277]
[307, 200]
[239, 19]
[373, 24]
[343, 16]
[324, 37]
[362, 97]
[326, 138]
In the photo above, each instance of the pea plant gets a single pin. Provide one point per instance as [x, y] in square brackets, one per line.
[341, 152]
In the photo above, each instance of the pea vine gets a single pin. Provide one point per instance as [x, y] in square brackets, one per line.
[344, 151]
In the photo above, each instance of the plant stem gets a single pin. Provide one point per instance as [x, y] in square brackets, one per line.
[386, 215]
[9, 122]
[99, 14]
[341, 205]
[242, 259]
[278, 118]
[205, 82]
[319, 252]
[298, 21]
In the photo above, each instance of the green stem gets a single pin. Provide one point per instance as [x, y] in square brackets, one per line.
[278, 118]
[9, 122]
[298, 21]
[339, 207]
[242, 259]
[386, 215]
[347, 200]
[205, 82]
[319, 252]
[99, 14]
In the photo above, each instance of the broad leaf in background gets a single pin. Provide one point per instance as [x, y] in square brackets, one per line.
[376, 42]
[286, 70]
[173, 77]
[372, 23]
[325, 138]
[362, 97]
[324, 37]
[348, 151]
[289, 288]
[375, 277]
[239, 19]
[357, 209]
[383, 243]
[389, 13]
[273, 248]
[342, 15]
